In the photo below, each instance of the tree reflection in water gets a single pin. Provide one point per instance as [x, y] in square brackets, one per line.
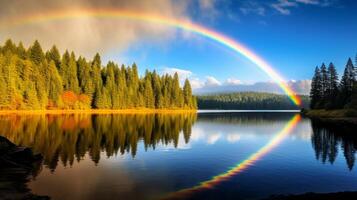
[70, 137]
[327, 140]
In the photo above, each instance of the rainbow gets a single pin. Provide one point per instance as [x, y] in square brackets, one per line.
[153, 18]
[275, 141]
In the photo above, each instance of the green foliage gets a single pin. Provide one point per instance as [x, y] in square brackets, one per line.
[32, 79]
[36, 54]
[315, 93]
[327, 93]
[248, 101]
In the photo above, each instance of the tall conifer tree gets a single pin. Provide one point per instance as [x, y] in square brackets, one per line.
[315, 93]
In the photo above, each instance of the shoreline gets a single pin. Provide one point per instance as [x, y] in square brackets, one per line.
[97, 111]
[341, 117]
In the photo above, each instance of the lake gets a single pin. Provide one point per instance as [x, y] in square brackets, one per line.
[209, 155]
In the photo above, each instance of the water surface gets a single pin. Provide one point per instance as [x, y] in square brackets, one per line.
[198, 156]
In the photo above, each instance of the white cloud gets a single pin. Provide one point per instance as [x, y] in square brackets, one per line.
[312, 2]
[212, 85]
[196, 83]
[252, 7]
[90, 34]
[233, 81]
[182, 73]
[208, 9]
[212, 81]
[282, 6]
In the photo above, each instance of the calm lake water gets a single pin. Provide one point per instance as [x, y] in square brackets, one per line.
[196, 156]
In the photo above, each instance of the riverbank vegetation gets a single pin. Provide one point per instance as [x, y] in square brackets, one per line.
[331, 98]
[249, 101]
[31, 79]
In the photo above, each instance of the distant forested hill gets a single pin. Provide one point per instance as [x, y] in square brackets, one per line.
[36, 80]
[249, 101]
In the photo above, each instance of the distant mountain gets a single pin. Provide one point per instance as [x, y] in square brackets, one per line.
[301, 87]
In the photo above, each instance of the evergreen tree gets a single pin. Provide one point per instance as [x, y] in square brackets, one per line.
[8, 47]
[54, 83]
[54, 55]
[149, 94]
[68, 72]
[21, 51]
[36, 53]
[96, 77]
[177, 99]
[187, 94]
[346, 84]
[30, 98]
[157, 90]
[332, 89]
[324, 85]
[121, 87]
[30, 79]
[316, 87]
[84, 77]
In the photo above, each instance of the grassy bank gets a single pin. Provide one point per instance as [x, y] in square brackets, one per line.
[346, 116]
[97, 111]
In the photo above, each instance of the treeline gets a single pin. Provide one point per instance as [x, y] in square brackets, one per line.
[328, 140]
[327, 92]
[34, 79]
[248, 101]
[72, 137]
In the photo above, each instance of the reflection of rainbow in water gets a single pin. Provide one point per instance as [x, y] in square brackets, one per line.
[277, 139]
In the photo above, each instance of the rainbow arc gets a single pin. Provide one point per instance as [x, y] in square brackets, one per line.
[152, 18]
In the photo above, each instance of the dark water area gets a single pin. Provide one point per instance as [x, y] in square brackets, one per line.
[180, 156]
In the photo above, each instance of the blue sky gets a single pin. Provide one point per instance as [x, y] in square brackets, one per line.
[294, 40]
[292, 35]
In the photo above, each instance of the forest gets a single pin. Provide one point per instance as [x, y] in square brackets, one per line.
[73, 136]
[31, 79]
[328, 92]
[249, 101]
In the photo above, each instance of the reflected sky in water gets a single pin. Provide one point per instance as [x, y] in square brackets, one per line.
[158, 155]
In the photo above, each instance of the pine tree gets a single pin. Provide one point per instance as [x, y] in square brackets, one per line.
[8, 47]
[149, 94]
[96, 75]
[68, 72]
[157, 90]
[30, 98]
[316, 87]
[21, 51]
[54, 55]
[121, 87]
[177, 100]
[332, 89]
[110, 83]
[187, 94]
[324, 85]
[346, 84]
[84, 77]
[54, 83]
[30, 79]
[73, 84]
[36, 53]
